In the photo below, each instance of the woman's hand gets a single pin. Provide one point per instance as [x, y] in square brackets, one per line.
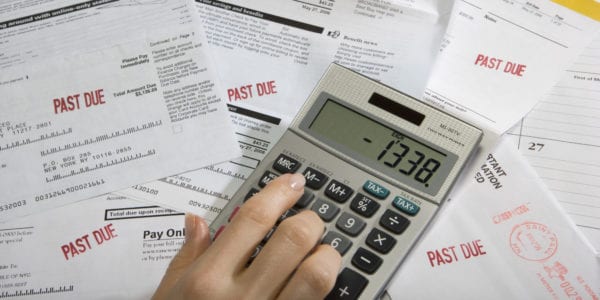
[289, 266]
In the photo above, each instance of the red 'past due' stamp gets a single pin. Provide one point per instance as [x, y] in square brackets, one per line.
[533, 241]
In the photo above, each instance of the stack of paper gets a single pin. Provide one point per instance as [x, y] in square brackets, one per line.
[170, 105]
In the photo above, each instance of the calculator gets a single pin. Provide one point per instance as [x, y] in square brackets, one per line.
[378, 165]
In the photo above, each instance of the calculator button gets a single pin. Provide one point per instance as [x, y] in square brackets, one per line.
[326, 210]
[305, 200]
[286, 164]
[338, 191]
[350, 224]
[364, 205]
[380, 241]
[250, 193]
[314, 179]
[349, 285]
[266, 178]
[366, 260]
[337, 241]
[376, 189]
[406, 205]
[394, 222]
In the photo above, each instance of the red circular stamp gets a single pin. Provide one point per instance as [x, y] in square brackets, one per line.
[533, 241]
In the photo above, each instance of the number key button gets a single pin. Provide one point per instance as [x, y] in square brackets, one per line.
[364, 205]
[338, 191]
[326, 210]
[350, 224]
[337, 241]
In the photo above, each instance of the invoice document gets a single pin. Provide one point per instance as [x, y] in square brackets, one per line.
[503, 235]
[102, 248]
[271, 53]
[499, 58]
[81, 126]
[560, 139]
[36, 30]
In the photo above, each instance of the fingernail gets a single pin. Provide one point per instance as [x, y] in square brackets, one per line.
[190, 226]
[297, 182]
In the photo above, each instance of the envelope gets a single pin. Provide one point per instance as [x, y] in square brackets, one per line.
[502, 235]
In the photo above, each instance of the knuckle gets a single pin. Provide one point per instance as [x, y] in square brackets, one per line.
[300, 230]
[314, 217]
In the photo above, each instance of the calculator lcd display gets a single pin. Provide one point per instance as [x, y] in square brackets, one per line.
[390, 151]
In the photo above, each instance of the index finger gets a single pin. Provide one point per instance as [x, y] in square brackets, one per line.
[253, 221]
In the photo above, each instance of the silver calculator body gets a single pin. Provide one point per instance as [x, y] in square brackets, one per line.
[378, 165]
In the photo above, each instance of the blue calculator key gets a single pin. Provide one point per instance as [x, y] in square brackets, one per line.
[405, 205]
[375, 189]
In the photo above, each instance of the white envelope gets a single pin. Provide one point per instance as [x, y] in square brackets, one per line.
[501, 236]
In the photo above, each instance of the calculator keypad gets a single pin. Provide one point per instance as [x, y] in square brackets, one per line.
[328, 198]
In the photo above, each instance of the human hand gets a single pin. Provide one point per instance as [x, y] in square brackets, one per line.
[289, 266]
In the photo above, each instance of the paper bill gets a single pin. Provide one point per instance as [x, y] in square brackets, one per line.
[107, 120]
[102, 248]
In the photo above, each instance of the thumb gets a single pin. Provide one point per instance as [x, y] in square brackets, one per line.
[197, 240]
